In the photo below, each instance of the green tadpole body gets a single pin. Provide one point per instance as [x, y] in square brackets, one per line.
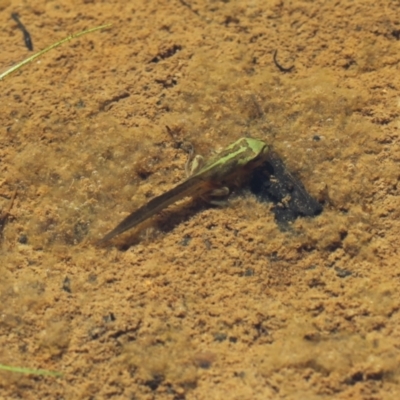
[240, 157]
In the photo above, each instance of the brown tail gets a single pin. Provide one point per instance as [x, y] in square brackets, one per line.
[155, 205]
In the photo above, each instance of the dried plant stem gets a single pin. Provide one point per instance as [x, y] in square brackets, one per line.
[51, 47]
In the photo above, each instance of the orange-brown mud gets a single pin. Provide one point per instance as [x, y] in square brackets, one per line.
[202, 302]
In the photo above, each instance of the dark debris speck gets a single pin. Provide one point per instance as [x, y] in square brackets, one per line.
[220, 337]
[23, 239]
[110, 317]
[342, 273]
[396, 34]
[186, 240]
[66, 285]
[154, 383]
[249, 272]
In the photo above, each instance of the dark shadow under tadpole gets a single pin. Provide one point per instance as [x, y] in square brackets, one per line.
[272, 182]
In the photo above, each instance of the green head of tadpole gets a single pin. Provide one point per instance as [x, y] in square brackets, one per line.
[258, 146]
[254, 152]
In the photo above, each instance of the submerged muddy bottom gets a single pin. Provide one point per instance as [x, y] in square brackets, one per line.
[201, 302]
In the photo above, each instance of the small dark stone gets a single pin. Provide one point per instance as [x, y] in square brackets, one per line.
[204, 364]
[66, 286]
[109, 317]
[342, 273]
[316, 138]
[154, 383]
[220, 337]
[23, 239]
[396, 34]
[249, 272]
[186, 240]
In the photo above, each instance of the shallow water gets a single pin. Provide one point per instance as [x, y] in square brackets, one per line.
[201, 302]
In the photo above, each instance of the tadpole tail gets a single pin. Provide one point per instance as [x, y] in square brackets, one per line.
[155, 205]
